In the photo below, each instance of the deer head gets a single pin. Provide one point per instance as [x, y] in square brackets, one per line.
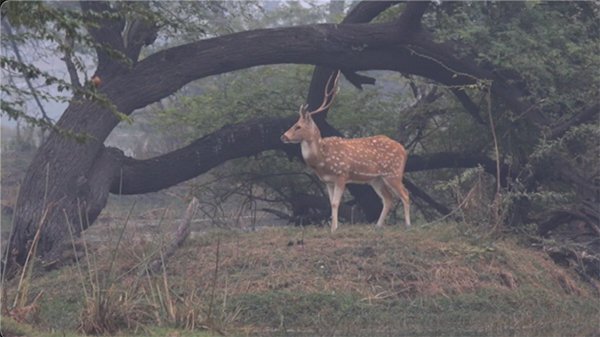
[305, 128]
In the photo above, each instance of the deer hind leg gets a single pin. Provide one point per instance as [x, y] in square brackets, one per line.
[395, 184]
[336, 198]
[386, 198]
[330, 188]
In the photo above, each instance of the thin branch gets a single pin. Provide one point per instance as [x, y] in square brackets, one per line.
[15, 48]
[414, 88]
[106, 31]
[68, 58]
[495, 139]
[496, 205]
[138, 32]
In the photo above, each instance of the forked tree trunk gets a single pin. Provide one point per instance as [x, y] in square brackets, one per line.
[70, 181]
[66, 179]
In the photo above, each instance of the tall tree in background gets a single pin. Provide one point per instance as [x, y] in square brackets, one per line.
[69, 180]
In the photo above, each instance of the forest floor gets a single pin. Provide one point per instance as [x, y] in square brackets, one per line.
[446, 279]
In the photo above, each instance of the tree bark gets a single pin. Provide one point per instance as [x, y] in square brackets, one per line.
[67, 178]
[232, 141]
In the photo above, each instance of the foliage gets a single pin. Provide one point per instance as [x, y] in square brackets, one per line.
[552, 46]
[551, 51]
[39, 35]
[233, 98]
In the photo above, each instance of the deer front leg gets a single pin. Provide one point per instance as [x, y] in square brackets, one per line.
[336, 198]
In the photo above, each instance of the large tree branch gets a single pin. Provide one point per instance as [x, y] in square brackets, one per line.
[466, 71]
[408, 23]
[443, 160]
[34, 92]
[164, 72]
[349, 45]
[105, 27]
[230, 142]
[243, 140]
[138, 32]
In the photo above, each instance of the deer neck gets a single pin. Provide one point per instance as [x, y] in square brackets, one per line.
[311, 151]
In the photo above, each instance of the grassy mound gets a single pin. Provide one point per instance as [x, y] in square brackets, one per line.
[289, 281]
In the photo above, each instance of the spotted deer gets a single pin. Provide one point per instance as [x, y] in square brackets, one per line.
[378, 161]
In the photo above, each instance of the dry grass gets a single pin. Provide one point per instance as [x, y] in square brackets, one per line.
[369, 263]
[283, 279]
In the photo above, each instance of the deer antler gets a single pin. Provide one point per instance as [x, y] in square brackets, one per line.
[329, 95]
[303, 108]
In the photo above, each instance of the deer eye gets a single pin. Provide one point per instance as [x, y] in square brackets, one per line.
[297, 127]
